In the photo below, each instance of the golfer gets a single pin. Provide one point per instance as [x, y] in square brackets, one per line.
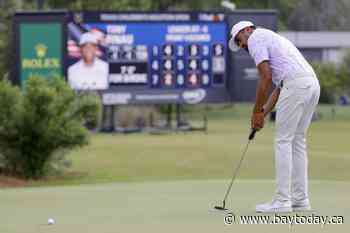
[296, 95]
[90, 72]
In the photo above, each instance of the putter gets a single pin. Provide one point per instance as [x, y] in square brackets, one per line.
[250, 138]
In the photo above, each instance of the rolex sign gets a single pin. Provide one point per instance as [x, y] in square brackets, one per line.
[40, 50]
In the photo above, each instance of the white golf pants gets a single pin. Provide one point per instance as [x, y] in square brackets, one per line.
[295, 107]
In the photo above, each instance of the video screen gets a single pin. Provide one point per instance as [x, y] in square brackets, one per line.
[116, 54]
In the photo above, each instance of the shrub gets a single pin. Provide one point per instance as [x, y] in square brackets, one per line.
[46, 119]
[344, 73]
[329, 82]
[334, 79]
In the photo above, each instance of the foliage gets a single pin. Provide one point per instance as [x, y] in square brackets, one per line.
[5, 32]
[316, 15]
[7, 9]
[334, 80]
[143, 5]
[327, 76]
[345, 73]
[41, 122]
[284, 7]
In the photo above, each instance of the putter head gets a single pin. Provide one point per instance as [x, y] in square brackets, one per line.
[220, 208]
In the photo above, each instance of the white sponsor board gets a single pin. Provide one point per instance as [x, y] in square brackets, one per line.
[194, 96]
[116, 98]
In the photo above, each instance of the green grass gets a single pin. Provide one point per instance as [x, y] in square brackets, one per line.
[170, 183]
[144, 157]
[176, 206]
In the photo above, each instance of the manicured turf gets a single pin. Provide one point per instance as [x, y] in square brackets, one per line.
[145, 157]
[169, 183]
[176, 206]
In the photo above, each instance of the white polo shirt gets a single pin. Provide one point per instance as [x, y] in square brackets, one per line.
[284, 58]
[83, 77]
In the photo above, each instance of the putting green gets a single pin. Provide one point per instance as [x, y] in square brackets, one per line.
[174, 206]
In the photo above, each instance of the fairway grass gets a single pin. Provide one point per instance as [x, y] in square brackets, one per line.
[182, 156]
[170, 183]
[176, 206]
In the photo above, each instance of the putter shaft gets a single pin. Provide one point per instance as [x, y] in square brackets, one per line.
[235, 173]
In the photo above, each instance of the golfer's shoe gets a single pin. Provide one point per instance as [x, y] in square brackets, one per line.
[303, 205]
[275, 206]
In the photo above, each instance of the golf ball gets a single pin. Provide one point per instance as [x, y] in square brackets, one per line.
[50, 221]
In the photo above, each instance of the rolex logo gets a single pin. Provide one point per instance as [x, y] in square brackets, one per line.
[40, 50]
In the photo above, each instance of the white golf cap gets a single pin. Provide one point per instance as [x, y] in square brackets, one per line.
[88, 37]
[235, 30]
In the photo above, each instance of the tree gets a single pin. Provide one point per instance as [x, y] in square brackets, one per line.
[7, 10]
[5, 32]
[45, 119]
[327, 75]
[284, 8]
[316, 15]
[143, 5]
[101, 5]
[344, 73]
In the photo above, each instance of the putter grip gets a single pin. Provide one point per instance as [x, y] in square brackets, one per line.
[252, 134]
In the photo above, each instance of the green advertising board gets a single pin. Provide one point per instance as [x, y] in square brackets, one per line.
[40, 50]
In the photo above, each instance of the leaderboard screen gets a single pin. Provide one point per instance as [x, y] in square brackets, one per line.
[149, 58]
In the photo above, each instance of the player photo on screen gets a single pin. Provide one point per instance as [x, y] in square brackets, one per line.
[89, 72]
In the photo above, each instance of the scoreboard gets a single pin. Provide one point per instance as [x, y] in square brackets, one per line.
[147, 57]
[169, 59]
[157, 57]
